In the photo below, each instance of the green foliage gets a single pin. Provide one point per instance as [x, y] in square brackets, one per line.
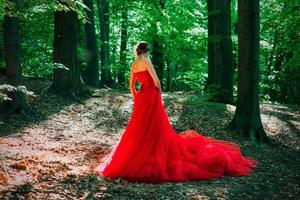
[36, 39]
[72, 5]
[191, 80]
[182, 30]
[289, 78]
[280, 39]
[9, 8]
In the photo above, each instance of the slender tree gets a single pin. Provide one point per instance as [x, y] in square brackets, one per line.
[124, 38]
[157, 56]
[103, 11]
[157, 45]
[12, 55]
[220, 71]
[67, 79]
[247, 118]
[92, 74]
[168, 74]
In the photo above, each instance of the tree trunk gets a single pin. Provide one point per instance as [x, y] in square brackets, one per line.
[226, 95]
[157, 52]
[220, 71]
[124, 28]
[103, 11]
[247, 118]
[66, 81]
[12, 58]
[168, 74]
[213, 41]
[157, 57]
[92, 49]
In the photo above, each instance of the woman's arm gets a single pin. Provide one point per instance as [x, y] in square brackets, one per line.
[131, 83]
[153, 74]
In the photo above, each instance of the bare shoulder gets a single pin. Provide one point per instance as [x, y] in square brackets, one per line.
[147, 61]
[138, 65]
[134, 66]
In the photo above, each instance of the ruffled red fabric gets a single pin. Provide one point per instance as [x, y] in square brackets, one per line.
[151, 151]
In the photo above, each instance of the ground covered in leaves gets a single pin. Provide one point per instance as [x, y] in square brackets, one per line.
[50, 153]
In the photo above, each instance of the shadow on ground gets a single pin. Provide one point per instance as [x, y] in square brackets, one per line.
[106, 113]
[43, 105]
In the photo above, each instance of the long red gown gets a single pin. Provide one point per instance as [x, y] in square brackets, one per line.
[151, 151]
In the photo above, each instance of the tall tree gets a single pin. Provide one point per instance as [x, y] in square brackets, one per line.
[157, 45]
[103, 11]
[247, 118]
[124, 28]
[92, 73]
[220, 71]
[67, 79]
[157, 56]
[12, 55]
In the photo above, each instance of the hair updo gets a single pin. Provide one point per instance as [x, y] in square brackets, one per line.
[141, 47]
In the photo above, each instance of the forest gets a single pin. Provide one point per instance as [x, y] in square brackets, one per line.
[229, 69]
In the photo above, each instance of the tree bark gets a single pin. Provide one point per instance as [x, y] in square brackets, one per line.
[220, 70]
[157, 56]
[157, 52]
[66, 81]
[124, 28]
[247, 118]
[12, 58]
[92, 49]
[213, 47]
[103, 11]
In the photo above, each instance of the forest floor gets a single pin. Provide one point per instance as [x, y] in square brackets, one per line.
[51, 153]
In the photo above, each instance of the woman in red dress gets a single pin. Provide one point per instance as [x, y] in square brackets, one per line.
[151, 151]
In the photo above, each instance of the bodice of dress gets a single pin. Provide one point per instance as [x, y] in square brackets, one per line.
[144, 78]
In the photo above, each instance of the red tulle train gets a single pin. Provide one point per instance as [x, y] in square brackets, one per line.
[151, 151]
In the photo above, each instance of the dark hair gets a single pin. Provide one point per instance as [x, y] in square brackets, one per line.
[141, 47]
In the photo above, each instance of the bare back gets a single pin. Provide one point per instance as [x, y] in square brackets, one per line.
[139, 65]
[143, 65]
